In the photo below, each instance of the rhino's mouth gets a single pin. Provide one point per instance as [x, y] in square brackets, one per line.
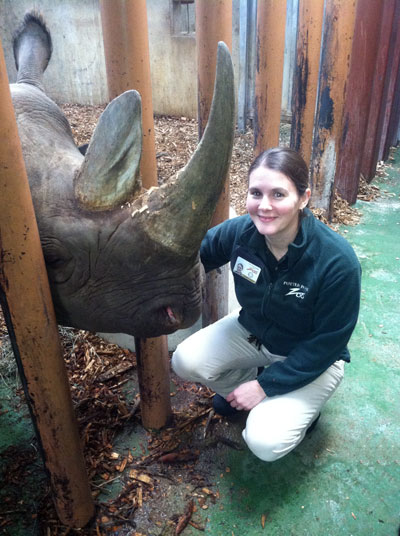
[170, 314]
[172, 317]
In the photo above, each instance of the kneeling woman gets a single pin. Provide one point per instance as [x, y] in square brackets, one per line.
[281, 356]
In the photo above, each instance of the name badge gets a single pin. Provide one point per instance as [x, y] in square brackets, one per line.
[246, 269]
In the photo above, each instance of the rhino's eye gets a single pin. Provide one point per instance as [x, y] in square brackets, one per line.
[58, 262]
[54, 262]
[56, 256]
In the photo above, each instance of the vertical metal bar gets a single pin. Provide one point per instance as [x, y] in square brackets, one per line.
[375, 117]
[213, 24]
[271, 23]
[305, 82]
[28, 309]
[127, 55]
[337, 36]
[358, 97]
[126, 49]
[242, 108]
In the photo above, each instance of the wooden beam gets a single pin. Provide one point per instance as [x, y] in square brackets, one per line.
[271, 24]
[243, 75]
[358, 97]
[126, 50]
[213, 24]
[305, 82]
[126, 45]
[28, 310]
[337, 36]
[390, 82]
[375, 117]
[394, 121]
[153, 375]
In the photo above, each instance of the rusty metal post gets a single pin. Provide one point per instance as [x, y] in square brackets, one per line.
[375, 118]
[337, 36]
[271, 24]
[28, 309]
[213, 24]
[305, 82]
[358, 97]
[126, 45]
[126, 50]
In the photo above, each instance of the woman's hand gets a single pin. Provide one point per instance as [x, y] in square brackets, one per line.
[246, 396]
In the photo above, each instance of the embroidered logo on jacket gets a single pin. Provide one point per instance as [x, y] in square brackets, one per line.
[297, 289]
[296, 292]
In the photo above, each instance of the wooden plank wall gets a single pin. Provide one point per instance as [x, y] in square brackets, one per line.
[346, 90]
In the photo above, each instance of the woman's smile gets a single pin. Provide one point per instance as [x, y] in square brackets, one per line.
[266, 218]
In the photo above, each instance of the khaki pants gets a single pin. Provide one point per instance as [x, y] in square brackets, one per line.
[221, 357]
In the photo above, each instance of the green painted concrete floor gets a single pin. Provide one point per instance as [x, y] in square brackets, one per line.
[344, 479]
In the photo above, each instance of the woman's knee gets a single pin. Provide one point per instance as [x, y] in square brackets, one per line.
[264, 446]
[185, 362]
[268, 437]
[180, 363]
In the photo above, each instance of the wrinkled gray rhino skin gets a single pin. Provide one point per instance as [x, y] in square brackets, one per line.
[119, 259]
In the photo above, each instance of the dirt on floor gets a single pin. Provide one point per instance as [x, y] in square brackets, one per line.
[143, 483]
[146, 479]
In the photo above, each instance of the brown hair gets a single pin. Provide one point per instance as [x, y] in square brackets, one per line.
[286, 161]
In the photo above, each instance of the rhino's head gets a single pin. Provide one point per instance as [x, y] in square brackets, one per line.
[120, 259]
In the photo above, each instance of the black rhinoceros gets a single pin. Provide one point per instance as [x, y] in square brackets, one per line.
[119, 259]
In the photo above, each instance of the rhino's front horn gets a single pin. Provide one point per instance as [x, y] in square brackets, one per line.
[177, 215]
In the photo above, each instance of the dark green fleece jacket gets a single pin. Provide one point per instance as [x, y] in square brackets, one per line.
[304, 307]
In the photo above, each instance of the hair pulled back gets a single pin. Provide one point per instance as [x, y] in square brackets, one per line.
[286, 161]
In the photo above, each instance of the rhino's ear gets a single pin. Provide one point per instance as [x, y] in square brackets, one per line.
[109, 175]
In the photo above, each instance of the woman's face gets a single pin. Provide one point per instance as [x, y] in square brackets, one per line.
[273, 204]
